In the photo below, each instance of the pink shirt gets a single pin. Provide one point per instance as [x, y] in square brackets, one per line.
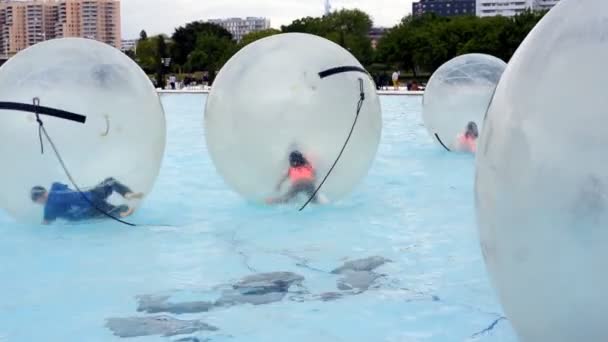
[302, 173]
[467, 143]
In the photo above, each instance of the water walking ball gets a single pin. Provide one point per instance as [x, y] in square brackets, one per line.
[292, 93]
[457, 98]
[542, 179]
[100, 110]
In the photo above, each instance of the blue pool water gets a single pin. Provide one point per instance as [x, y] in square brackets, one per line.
[415, 208]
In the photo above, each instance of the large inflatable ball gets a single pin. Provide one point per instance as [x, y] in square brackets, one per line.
[457, 98]
[542, 179]
[280, 112]
[104, 122]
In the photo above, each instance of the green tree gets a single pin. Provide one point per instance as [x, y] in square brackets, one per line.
[143, 35]
[146, 55]
[348, 28]
[210, 54]
[185, 38]
[255, 36]
[311, 25]
[131, 54]
[489, 38]
[519, 27]
[407, 45]
[419, 44]
[426, 42]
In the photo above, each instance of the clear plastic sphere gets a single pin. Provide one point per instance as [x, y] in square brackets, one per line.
[123, 136]
[271, 99]
[542, 179]
[457, 98]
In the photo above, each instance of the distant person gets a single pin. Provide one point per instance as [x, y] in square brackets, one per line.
[396, 80]
[172, 81]
[302, 177]
[414, 86]
[62, 202]
[467, 142]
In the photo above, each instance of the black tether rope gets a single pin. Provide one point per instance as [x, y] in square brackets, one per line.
[359, 107]
[40, 124]
[42, 131]
[441, 142]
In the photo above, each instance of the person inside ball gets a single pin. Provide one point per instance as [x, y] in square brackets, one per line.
[302, 177]
[467, 142]
[61, 202]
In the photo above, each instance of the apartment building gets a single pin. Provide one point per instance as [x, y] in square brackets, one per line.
[507, 8]
[25, 23]
[545, 4]
[128, 45]
[239, 27]
[445, 8]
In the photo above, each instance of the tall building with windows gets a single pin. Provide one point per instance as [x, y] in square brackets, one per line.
[545, 4]
[22, 24]
[93, 19]
[444, 7]
[239, 27]
[508, 8]
[25, 23]
[128, 45]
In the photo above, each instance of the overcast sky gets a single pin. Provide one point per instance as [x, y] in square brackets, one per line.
[162, 16]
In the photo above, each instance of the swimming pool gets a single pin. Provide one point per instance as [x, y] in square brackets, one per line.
[415, 208]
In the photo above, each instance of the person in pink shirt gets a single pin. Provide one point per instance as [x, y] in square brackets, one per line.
[302, 177]
[467, 142]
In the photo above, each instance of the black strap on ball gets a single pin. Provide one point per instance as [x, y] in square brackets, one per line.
[40, 110]
[359, 107]
[340, 70]
[40, 124]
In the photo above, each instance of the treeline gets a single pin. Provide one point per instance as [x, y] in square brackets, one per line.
[416, 44]
[424, 43]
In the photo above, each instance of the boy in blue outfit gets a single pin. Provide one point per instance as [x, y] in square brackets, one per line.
[61, 202]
